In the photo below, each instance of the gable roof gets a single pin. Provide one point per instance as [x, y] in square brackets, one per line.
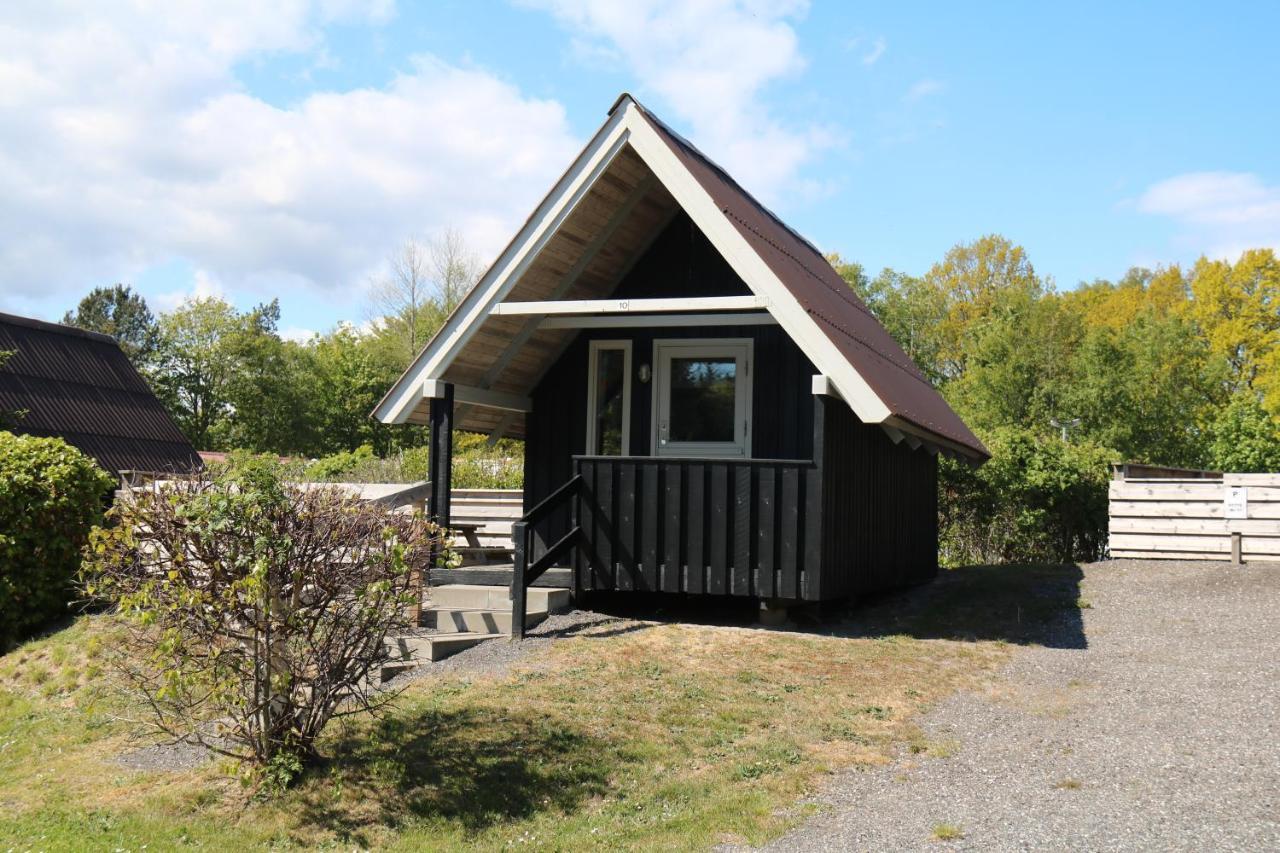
[79, 386]
[633, 175]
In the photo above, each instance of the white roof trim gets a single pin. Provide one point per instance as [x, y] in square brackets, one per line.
[506, 271]
[623, 306]
[627, 125]
[722, 233]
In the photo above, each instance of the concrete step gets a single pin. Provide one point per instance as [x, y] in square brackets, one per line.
[476, 597]
[451, 620]
[406, 652]
[498, 574]
[390, 669]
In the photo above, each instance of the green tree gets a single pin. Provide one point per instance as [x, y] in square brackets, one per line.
[119, 312]
[971, 284]
[1237, 307]
[1146, 389]
[230, 381]
[1245, 438]
[346, 375]
[193, 371]
[265, 392]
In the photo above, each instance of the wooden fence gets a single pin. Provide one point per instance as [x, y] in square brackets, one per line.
[496, 509]
[1191, 519]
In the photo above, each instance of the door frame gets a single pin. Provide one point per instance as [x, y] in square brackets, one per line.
[593, 359]
[743, 352]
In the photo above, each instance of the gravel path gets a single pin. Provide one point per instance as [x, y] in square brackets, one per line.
[1164, 733]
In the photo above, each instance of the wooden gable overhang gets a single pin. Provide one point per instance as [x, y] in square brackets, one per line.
[627, 184]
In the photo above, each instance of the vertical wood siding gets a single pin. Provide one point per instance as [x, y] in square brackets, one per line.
[879, 507]
[861, 517]
[693, 526]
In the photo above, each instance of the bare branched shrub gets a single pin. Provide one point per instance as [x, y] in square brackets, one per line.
[259, 609]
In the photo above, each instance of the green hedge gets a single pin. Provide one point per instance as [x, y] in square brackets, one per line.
[1038, 499]
[51, 495]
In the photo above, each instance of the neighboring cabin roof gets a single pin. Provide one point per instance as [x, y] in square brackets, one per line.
[80, 386]
[636, 163]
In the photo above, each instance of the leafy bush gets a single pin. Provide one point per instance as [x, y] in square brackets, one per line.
[475, 465]
[479, 472]
[259, 609]
[51, 494]
[1038, 499]
[340, 465]
[1245, 438]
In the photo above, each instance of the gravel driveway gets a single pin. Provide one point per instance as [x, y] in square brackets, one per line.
[1162, 733]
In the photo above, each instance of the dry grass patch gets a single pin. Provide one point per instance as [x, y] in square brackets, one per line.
[665, 736]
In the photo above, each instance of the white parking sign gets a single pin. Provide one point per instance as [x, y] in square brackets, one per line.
[1236, 503]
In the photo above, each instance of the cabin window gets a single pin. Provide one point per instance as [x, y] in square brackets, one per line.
[609, 398]
[702, 396]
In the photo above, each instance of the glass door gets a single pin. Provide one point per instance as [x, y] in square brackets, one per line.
[702, 396]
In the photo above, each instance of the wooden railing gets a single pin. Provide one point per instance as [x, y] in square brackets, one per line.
[528, 567]
[745, 527]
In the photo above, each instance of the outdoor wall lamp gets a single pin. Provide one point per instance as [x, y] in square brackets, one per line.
[643, 373]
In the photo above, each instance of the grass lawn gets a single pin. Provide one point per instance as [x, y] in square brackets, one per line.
[673, 736]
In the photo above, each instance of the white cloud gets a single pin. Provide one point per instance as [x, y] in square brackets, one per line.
[203, 286]
[877, 49]
[298, 335]
[924, 88]
[1220, 213]
[709, 61]
[126, 141]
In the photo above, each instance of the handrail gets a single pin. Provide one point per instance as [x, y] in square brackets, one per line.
[552, 501]
[523, 571]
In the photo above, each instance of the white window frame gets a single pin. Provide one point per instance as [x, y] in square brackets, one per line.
[592, 364]
[742, 350]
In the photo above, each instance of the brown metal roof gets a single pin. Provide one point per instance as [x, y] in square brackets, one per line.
[841, 315]
[80, 386]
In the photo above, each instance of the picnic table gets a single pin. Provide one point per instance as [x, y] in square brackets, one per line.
[470, 531]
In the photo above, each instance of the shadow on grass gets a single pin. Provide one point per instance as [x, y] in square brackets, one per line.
[463, 770]
[1036, 604]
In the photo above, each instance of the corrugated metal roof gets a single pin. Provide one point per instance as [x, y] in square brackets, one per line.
[80, 386]
[842, 316]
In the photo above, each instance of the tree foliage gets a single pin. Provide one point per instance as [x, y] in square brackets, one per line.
[1163, 366]
[51, 495]
[259, 610]
[1244, 437]
[119, 312]
[1038, 498]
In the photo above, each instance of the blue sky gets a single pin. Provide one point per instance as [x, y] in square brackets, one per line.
[251, 152]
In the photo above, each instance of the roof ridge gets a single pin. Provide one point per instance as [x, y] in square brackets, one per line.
[57, 328]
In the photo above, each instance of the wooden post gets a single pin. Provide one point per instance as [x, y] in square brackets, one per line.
[1236, 556]
[441, 456]
[519, 590]
[811, 563]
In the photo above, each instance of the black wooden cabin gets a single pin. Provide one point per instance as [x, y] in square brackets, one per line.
[708, 409]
